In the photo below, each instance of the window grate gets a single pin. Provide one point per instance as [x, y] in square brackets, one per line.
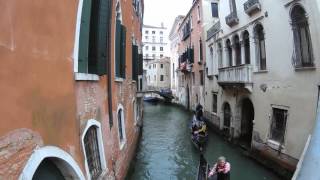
[92, 152]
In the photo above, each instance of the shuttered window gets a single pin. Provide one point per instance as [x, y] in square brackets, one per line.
[120, 50]
[135, 63]
[93, 41]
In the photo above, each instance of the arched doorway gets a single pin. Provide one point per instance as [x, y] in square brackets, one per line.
[226, 116]
[247, 117]
[49, 158]
[48, 170]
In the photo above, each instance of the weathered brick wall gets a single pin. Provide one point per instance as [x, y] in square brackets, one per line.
[15, 149]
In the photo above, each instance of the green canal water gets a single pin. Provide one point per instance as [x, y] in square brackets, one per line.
[165, 151]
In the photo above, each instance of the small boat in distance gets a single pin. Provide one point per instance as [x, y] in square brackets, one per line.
[151, 99]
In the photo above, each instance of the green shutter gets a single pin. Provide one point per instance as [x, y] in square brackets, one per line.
[135, 62]
[103, 32]
[118, 48]
[140, 65]
[84, 37]
[123, 52]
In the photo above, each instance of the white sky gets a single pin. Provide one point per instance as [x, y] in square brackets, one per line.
[157, 11]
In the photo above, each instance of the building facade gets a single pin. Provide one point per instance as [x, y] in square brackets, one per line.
[268, 72]
[158, 74]
[192, 57]
[76, 122]
[174, 39]
[155, 42]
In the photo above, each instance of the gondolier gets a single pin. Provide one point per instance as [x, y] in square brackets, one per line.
[222, 169]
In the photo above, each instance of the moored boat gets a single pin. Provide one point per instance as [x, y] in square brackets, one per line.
[151, 99]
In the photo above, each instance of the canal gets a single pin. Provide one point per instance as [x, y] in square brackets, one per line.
[165, 151]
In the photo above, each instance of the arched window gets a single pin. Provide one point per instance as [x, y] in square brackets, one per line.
[220, 55]
[93, 149]
[92, 152]
[229, 52]
[303, 55]
[261, 50]
[246, 42]
[121, 126]
[237, 50]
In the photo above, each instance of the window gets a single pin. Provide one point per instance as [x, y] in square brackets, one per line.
[232, 5]
[262, 65]
[120, 46]
[173, 71]
[199, 13]
[214, 10]
[147, 47]
[154, 77]
[214, 102]
[220, 50]
[153, 56]
[91, 148]
[147, 55]
[153, 39]
[147, 38]
[246, 47]
[161, 32]
[161, 55]
[161, 48]
[303, 55]
[278, 125]
[161, 39]
[93, 43]
[121, 126]
[201, 77]
[153, 32]
[193, 78]
[153, 48]
[200, 51]
[237, 48]
[147, 32]
[149, 66]
[161, 66]
[229, 51]
[161, 78]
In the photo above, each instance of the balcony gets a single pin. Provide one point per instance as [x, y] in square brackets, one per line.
[232, 19]
[213, 30]
[252, 6]
[238, 76]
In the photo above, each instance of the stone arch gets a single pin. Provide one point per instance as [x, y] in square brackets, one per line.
[62, 160]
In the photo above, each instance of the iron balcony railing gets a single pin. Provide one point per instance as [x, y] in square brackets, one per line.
[232, 19]
[236, 74]
[252, 6]
[213, 30]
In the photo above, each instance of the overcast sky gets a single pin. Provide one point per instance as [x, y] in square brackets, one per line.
[157, 11]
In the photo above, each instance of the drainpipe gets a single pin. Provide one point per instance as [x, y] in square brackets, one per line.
[308, 166]
[109, 83]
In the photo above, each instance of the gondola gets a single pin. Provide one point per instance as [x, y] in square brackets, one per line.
[151, 99]
[199, 142]
[203, 170]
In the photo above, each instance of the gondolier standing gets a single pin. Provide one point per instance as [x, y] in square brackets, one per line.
[222, 169]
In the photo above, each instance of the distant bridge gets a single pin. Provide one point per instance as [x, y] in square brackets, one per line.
[165, 95]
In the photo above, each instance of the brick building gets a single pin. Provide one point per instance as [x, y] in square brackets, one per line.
[69, 78]
[191, 57]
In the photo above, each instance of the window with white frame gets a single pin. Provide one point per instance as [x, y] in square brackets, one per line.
[278, 125]
[93, 34]
[92, 152]
[121, 126]
[260, 46]
[303, 54]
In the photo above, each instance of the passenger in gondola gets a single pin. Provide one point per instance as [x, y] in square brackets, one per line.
[199, 127]
[222, 169]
